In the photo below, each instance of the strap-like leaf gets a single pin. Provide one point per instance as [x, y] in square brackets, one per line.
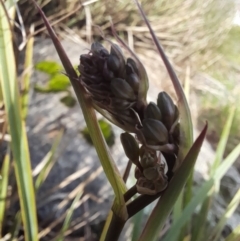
[19, 143]
[169, 197]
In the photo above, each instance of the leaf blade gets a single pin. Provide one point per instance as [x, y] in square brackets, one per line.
[201, 194]
[166, 202]
[19, 144]
[105, 157]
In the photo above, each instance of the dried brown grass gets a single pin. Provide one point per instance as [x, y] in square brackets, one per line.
[189, 30]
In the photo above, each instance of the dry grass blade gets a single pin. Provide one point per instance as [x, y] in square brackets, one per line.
[79, 188]
[27, 73]
[60, 219]
[69, 197]
[49, 161]
[68, 180]
[69, 216]
[76, 226]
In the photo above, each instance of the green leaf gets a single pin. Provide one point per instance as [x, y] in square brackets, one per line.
[233, 205]
[235, 235]
[3, 188]
[19, 144]
[49, 67]
[27, 75]
[41, 89]
[186, 128]
[201, 194]
[170, 195]
[68, 100]
[222, 144]
[109, 167]
[198, 230]
[106, 129]
[68, 217]
[57, 83]
[16, 226]
[137, 225]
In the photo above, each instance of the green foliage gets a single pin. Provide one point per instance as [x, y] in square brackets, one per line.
[56, 83]
[49, 67]
[16, 125]
[216, 104]
[93, 133]
[107, 131]
[68, 100]
[230, 48]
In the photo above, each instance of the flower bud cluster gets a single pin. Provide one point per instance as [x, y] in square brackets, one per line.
[113, 84]
[158, 136]
[119, 88]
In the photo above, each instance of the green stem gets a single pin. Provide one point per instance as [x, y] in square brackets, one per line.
[107, 162]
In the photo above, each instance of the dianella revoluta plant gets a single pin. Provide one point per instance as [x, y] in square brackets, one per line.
[157, 137]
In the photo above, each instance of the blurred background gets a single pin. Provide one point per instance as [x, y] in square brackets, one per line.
[201, 39]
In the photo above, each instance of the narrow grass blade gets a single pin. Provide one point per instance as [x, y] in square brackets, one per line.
[201, 194]
[105, 157]
[169, 197]
[199, 228]
[233, 205]
[3, 188]
[106, 226]
[15, 227]
[48, 164]
[137, 225]
[19, 144]
[1, 96]
[177, 210]
[27, 74]
[222, 144]
[68, 217]
[198, 231]
[235, 235]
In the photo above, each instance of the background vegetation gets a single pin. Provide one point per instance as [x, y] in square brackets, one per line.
[198, 37]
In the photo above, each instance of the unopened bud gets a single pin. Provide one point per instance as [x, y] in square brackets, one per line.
[131, 67]
[154, 131]
[121, 104]
[97, 47]
[121, 89]
[152, 112]
[133, 81]
[130, 146]
[117, 52]
[113, 63]
[167, 108]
